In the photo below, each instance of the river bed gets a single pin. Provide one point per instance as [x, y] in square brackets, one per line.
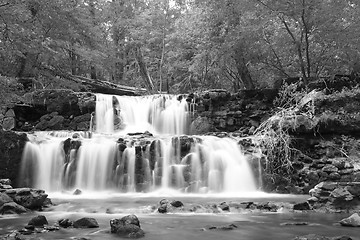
[182, 225]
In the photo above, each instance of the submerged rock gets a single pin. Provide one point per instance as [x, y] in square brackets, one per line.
[86, 223]
[128, 226]
[225, 227]
[319, 237]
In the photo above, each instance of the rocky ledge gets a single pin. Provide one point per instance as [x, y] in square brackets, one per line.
[125, 227]
[21, 200]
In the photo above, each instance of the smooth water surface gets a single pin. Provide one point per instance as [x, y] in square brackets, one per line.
[180, 226]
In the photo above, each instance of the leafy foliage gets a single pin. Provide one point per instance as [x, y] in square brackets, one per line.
[186, 45]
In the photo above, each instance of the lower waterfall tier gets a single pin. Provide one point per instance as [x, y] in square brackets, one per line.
[190, 164]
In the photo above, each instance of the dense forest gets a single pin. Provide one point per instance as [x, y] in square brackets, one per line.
[178, 45]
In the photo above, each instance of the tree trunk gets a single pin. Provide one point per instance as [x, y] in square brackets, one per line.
[118, 39]
[27, 65]
[166, 10]
[243, 70]
[74, 62]
[92, 14]
[143, 70]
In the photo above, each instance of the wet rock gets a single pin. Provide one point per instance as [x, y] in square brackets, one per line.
[30, 227]
[65, 223]
[302, 206]
[294, 224]
[352, 221]
[128, 226]
[341, 238]
[311, 237]
[267, 206]
[38, 221]
[28, 198]
[176, 204]
[24, 231]
[163, 206]
[86, 223]
[226, 227]
[5, 181]
[224, 206]
[77, 192]
[12, 208]
[163, 201]
[5, 187]
[51, 228]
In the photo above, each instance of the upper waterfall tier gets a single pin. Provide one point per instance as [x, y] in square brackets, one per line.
[158, 114]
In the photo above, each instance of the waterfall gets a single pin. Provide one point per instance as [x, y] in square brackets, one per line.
[103, 161]
[158, 114]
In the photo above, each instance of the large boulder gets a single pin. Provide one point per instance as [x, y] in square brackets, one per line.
[128, 226]
[33, 199]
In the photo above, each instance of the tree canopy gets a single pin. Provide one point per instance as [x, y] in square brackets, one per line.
[179, 45]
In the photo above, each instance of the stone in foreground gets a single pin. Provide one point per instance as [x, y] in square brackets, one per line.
[38, 221]
[128, 226]
[352, 221]
[86, 223]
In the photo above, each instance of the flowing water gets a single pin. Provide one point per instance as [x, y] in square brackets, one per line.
[113, 159]
[120, 171]
[180, 226]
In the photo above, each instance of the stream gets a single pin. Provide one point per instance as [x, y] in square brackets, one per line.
[182, 225]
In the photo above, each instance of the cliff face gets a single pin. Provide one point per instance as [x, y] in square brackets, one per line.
[11, 148]
[55, 110]
[242, 112]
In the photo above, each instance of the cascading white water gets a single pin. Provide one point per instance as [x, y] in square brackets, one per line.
[46, 162]
[158, 114]
[188, 164]
[212, 165]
